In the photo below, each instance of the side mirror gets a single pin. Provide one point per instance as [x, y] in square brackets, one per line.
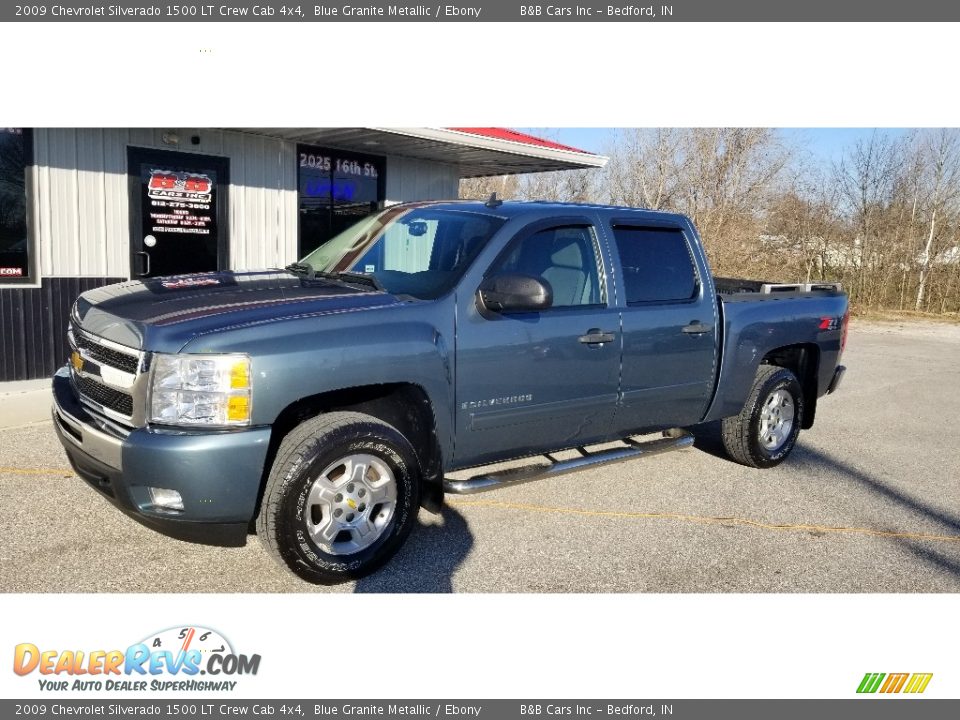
[514, 292]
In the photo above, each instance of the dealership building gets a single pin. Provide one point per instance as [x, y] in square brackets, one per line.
[86, 207]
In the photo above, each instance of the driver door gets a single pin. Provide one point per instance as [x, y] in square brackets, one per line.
[530, 382]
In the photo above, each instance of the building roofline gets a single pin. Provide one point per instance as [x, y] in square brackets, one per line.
[546, 150]
[516, 136]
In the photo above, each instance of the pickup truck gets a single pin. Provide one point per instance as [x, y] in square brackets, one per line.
[323, 404]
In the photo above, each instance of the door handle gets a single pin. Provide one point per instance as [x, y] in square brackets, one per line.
[696, 328]
[146, 270]
[596, 336]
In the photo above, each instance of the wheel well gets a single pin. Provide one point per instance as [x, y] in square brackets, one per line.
[804, 361]
[403, 405]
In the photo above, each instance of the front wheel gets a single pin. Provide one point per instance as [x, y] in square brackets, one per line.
[765, 431]
[342, 495]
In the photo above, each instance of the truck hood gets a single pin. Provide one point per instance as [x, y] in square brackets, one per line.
[166, 313]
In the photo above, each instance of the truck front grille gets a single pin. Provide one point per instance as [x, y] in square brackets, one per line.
[105, 355]
[107, 377]
[108, 397]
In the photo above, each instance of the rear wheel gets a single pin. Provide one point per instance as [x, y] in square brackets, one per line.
[341, 498]
[766, 430]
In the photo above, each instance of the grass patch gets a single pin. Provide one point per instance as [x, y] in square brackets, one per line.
[904, 315]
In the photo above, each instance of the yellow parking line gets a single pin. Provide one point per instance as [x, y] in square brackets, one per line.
[704, 520]
[59, 472]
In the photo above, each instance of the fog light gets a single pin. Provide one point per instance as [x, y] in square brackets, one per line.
[166, 499]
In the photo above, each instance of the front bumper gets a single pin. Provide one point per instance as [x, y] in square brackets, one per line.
[216, 473]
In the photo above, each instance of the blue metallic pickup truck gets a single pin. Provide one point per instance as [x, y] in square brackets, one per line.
[325, 403]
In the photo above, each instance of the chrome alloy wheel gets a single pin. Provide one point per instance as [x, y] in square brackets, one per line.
[350, 504]
[776, 419]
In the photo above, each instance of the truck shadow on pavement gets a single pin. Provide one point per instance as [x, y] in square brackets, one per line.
[931, 557]
[708, 439]
[427, 561]
[948, 523]
[920, 507]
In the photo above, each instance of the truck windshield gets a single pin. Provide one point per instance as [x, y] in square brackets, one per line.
[409, 250]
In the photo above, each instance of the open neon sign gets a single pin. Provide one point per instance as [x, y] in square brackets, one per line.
[344, 190]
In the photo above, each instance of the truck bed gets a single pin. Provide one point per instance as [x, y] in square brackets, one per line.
[755, 320]
[739, 289]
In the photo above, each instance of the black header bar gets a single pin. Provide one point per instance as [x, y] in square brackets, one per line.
[486, 11]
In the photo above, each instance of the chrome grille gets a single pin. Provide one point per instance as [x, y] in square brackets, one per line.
[107, 377]
[105, 396]
[104, 355]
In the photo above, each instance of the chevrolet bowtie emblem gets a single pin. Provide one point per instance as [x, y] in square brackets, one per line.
[76, 361]
[352, 503]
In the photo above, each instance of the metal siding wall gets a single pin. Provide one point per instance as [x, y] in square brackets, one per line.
[288, 209]
[91, 206]
[263, 200]
[81, 202]
[62, 228]
[260, 187]
[239, 231]
[41, 195]
[33, 343]
[409, 179]
[116, 205]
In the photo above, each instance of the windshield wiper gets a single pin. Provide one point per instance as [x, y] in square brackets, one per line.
[299, 268]
[346, 277]
[356, 278]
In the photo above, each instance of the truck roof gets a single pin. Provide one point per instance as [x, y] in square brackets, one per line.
[517, 208]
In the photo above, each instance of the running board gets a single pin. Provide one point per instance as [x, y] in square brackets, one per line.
[674, 439]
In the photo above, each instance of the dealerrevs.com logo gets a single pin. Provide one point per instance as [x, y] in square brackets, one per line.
[173, 660]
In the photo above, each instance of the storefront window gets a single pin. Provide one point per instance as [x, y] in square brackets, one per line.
[15, 245]
[336, 189]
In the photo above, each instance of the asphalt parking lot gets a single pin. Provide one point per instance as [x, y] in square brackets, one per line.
[869, 502]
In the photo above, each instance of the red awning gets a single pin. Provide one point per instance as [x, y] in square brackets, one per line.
[519, 137]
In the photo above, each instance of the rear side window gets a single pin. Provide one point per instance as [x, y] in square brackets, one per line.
[657, 265]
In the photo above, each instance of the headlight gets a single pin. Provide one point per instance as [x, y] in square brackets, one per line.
[211, 390]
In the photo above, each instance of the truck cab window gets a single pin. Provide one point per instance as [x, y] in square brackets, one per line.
[657, 265]
[566, 257]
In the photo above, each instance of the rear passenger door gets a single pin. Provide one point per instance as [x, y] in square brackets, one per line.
[669, 326]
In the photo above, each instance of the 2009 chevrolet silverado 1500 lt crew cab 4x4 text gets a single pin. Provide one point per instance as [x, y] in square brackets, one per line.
[328, 401]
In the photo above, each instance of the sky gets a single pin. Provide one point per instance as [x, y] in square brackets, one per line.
[827, 144]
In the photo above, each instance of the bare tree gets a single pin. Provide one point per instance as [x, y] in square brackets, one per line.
[562, 186]
[480, 188]
[865, 179]
[942, 151]
[647, 167]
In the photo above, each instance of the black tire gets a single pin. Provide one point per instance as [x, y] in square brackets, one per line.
[741, 433]
[302, 456]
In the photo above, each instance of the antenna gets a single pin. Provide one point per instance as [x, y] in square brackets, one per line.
[494, 201]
